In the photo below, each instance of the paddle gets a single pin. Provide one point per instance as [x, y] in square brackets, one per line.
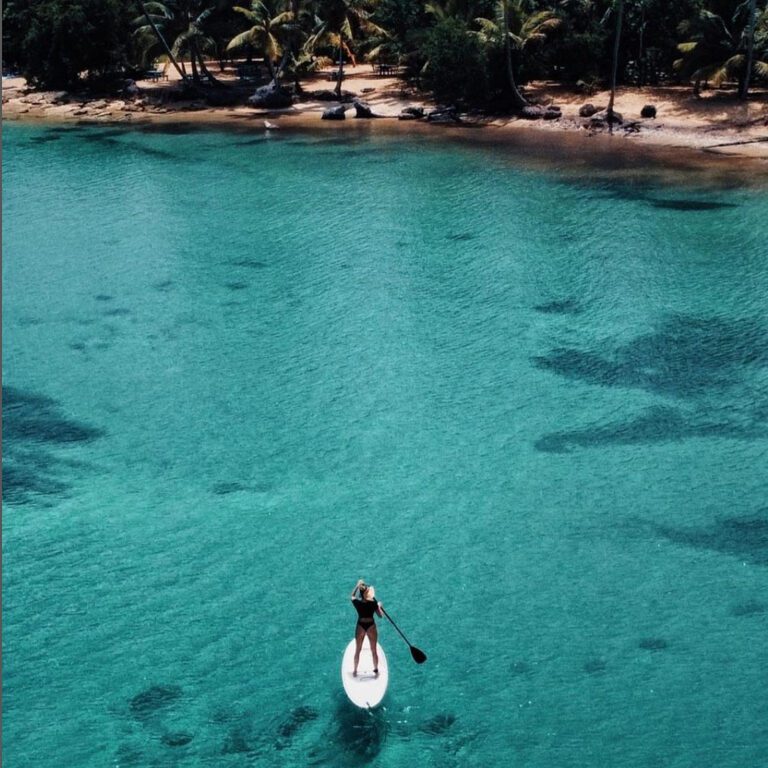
[418, 656]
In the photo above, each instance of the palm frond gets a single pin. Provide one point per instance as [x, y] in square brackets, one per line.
[241, 40]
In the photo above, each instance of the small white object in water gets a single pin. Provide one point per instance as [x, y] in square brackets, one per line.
[269, 126]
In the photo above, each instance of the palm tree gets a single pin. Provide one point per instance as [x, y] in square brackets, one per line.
[619, 11]
[269, 27]
[518, 31]
[185, 21]
[750, 48]
[718, 46]
[339, 24]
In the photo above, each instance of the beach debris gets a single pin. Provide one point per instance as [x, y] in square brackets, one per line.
[649, 110]
[335, 113]
[587, 110]
[363, 109]
[271, 97]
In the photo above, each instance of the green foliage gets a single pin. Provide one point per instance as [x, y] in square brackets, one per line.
[58, 42]
[457, 68]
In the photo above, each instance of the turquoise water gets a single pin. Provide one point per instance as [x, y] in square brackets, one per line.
[241, 372]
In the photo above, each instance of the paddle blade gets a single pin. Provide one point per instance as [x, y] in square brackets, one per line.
[418, 656]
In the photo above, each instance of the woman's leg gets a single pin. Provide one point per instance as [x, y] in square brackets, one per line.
[373, 636]
[359, 637]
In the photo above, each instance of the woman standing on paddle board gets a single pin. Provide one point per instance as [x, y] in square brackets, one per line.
[366, 605]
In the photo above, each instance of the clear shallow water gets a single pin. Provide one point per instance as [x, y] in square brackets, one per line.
[241, 372]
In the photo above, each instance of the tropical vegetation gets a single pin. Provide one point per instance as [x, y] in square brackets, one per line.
[466, 52]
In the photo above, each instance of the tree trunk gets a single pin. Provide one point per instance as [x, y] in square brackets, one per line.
[615, 67]
[160, 37]
[294, 45]
[750, 49]
[340, 73]
[518, 100]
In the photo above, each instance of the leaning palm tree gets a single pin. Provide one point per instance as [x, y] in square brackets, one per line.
[183, 21]
[717, 47]
[518, 31]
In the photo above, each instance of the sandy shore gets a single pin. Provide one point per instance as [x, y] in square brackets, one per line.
[687, 130]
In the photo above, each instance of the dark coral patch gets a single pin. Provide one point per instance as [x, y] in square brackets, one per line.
[439, 724]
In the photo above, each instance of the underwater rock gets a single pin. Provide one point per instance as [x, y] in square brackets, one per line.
[154, 698]
[438, 724]
[750, 608]
[297, 718]
[595, 666]
[653, 644]
[177, 738]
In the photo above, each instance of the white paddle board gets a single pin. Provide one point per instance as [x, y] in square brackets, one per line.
[366, 689]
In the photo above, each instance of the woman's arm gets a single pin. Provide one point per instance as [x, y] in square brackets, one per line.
[380, 609]
[354, 591]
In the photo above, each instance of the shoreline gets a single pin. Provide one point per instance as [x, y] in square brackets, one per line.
[715, 135]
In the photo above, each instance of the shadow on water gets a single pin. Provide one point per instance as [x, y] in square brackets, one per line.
[33, 425]
[689, 205]
[656, 425]
[744, 537]
[685, 357]
[560, 307]
[355, 738]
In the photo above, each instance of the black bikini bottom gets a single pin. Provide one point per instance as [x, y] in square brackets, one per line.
[366, 624]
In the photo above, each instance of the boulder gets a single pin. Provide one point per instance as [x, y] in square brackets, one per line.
[414, 111]
[407, 116]
[552, 113]
[271, 97]
[601, 119]
[444, 115]
[587, 110]
[60, 97]
[649, 110]
[362, 109]
[335, 113]
[532, 112]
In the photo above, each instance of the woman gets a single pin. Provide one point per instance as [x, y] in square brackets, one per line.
[366, 605]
